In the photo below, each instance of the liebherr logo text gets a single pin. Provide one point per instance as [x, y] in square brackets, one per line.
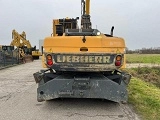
[82, 59]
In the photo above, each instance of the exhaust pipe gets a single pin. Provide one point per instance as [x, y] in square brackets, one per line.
[112, 30]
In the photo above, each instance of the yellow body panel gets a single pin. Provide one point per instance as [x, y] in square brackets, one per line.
[94, 44]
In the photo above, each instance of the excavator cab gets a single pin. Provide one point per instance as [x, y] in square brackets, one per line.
[60, 25]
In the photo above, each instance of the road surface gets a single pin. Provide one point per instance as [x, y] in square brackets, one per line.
[134, 65]
[18, 101]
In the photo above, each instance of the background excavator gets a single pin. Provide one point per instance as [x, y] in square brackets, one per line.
[82, 63]
[26, 51]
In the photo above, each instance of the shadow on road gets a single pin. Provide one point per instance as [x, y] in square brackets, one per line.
[82, 104]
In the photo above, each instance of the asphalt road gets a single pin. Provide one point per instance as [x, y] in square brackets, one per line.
[18, 101]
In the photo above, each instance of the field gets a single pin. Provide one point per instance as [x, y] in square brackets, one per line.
[144, 88]
[143, 58]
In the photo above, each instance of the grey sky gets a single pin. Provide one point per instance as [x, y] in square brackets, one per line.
[137, 21]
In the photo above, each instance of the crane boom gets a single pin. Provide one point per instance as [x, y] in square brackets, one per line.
[19, 40]
[87, 7]
[85, 14]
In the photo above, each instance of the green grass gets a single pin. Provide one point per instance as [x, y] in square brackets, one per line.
[146, 99]
[143, 58]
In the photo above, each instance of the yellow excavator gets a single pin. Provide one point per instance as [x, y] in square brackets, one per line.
[82, 63]
[24, 46]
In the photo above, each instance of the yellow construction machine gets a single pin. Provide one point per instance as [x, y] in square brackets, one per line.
[82, 63]
[24, 46]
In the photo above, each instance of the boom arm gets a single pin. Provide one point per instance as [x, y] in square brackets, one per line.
[87, 7]
[19, 40]
[85, 17]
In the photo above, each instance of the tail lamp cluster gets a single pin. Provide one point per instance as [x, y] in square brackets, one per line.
[49, 60]
[118, 61]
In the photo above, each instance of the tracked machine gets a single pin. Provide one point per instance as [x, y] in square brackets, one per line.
[26, 51]
[82, 63]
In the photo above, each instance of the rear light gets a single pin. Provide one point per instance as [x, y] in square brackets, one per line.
[49, 60]
[118, 60]
[118, 63]
[118, 57]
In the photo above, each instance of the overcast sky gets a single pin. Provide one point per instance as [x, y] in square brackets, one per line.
[137, 21]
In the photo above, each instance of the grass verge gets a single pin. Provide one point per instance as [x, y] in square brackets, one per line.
[148, 74]
[143, 58]
[146, 99]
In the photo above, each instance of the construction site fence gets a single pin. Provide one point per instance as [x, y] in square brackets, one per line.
[9, 58]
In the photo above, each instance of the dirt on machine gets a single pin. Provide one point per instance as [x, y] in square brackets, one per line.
[82, 62]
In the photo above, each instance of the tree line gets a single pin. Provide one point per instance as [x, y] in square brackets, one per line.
[144, 51]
